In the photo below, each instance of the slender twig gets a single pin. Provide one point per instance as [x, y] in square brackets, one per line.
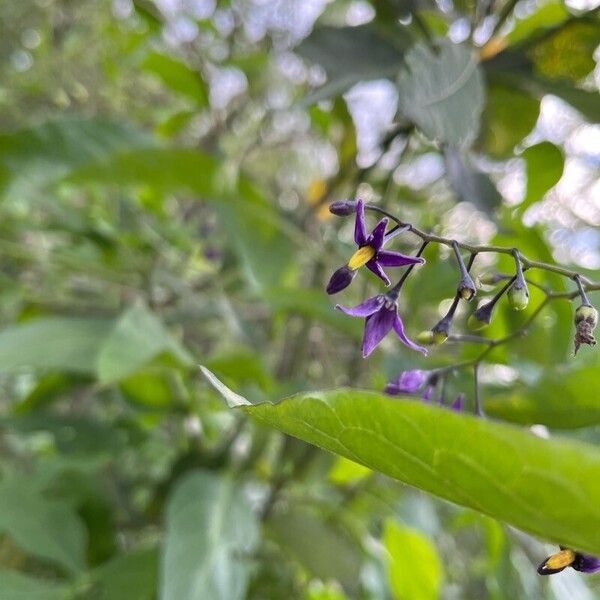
[478, 407]
[475, 249]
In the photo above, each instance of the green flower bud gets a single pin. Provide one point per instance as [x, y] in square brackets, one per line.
[518, 295]
[489, 278]
[481, 317]
[425, 338]
[466, 288]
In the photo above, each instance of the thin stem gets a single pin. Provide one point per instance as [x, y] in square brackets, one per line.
[525, 262]
[504, 14]
[478, 407]
[584, 299]
[406, 273]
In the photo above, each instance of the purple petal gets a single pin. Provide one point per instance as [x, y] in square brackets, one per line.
[376, 328]
[366, 309]
[399, 329]
[374, 267]
[341, 279]
[586, 563]
[457, 405]
[392, 389]
[375, 240]
[428, 393]
[360, 229]
[410, 382]
[389, 258]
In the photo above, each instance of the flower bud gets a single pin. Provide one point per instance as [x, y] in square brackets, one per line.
[466, 288]
[342, 208]
[481, 317]
[586, 319]
[518, 295]
[490, 278]
[441, 331]
[341, 279]
[425, 337]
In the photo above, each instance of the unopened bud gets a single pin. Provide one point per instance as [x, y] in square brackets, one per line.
[466, 288]
[425, 337]
[481, 317]
[586, 319]
[490, 278]
[342, 208]
[341, 279]
[441, 331]
[518, 295]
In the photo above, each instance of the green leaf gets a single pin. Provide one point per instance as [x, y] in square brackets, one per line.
[545, 487]
[42, 526]
[544, 167]
[569, 52]
[324, 550]
[53, 343]
[442, 92]
[129, 576]
[137, 337]
[548, 15]
[210, 535]
[509, 116]
[558, 400]
[17, 586]
[39, 155]
[414, 567]
[177, 76]
[350, 55]
[469, 184]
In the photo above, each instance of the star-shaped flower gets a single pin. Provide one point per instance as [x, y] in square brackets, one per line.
[370, 253]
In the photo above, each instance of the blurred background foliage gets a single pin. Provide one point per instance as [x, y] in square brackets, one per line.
[165, 168]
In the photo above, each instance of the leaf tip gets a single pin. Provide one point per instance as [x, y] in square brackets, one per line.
[232, 399]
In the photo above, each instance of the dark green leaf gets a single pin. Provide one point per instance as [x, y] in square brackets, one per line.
[469, 184]
[544, 164]
[443, 92]
[350, 55]
[43, 527]
[210, 535]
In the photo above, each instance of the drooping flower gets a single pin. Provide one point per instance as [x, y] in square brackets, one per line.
[381, 315]
[586, 563]
[370, 253]
[408, 382]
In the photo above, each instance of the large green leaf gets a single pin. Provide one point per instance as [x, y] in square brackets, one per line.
[137, 338]
[33, 157]
[558, 400]
[545, 487]
[42, 526]
[443, 92]
[350, 55]
[414, 567]
[17, 586]
[210, 534]
[544, 164]
[53, 343]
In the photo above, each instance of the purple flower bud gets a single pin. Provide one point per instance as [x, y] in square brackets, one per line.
[466, 287]
[565, 557]
[341, 279]
[342, 208]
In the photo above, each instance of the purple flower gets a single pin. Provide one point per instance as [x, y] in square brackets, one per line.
[381, 314]
[409, 382]
[369, 253]
[586, 563]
